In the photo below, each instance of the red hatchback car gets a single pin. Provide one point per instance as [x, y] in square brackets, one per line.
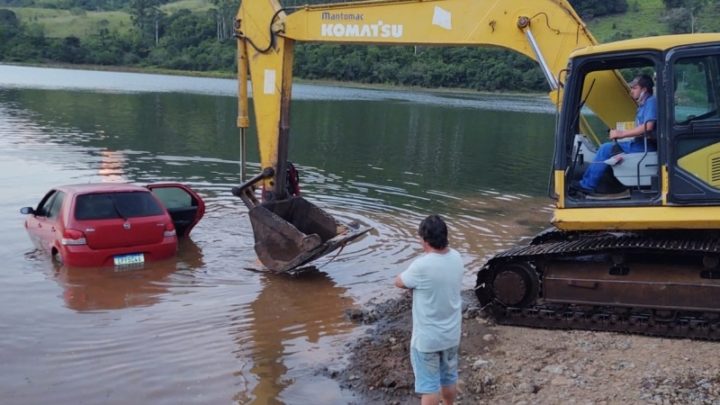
[113, 224]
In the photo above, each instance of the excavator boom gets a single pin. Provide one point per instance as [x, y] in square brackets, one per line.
[546, 31]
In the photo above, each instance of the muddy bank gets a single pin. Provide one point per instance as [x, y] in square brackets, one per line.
[523, 366]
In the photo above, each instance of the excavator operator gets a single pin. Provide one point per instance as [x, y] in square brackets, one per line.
[641, 90]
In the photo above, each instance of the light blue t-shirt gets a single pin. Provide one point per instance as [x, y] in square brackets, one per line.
[436, 281]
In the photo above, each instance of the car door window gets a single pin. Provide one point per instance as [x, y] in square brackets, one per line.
[57, 201]
[45, 204]
[174, 198]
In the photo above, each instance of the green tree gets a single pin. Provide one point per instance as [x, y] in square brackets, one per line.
[70, 50]
[681, 15]
[673, 3]
[589, 9]
[9, 24]
[9, 29]
[147, 18]
[224, 13]
[27, 44]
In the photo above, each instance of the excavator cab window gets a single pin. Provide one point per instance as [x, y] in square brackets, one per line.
[694, 161]
[696, 89]
[627, 175]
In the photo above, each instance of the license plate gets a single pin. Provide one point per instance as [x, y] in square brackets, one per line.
[133, 258]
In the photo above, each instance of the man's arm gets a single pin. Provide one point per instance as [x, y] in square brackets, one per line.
[630, 133]
[408, 279]
[399, 283]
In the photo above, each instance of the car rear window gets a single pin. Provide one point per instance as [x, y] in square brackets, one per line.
[116, 205]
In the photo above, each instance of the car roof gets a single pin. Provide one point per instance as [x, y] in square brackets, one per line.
[100, 188]
[658, 43]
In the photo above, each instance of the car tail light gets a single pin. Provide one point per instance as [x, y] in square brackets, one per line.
[73, 237]
[169, 230]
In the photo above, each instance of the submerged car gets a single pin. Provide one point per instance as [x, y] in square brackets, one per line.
[113, 224]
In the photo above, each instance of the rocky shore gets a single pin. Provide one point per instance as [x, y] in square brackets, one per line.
[514, 365]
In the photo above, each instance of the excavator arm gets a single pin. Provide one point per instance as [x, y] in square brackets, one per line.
[547, 31]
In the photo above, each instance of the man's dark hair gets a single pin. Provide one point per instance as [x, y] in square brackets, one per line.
[646, 82]
[434, 231]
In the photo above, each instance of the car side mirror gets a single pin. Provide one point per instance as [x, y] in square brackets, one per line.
[27, 210]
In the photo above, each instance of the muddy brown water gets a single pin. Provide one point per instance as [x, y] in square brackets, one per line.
[202, 327]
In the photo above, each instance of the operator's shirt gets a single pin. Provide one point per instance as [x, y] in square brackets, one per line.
[647, 111]
[436, 281]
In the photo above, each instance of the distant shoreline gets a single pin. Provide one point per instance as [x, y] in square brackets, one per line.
[231, 76]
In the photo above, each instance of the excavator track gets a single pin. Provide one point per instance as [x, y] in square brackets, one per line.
[659, 284]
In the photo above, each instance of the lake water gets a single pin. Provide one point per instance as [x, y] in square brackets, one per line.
[201, 328]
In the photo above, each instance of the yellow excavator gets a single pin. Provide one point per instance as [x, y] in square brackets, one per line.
[642, 255]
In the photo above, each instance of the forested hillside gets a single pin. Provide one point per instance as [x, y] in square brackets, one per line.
[197, 35]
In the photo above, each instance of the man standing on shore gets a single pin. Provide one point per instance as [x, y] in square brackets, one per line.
[435, 279]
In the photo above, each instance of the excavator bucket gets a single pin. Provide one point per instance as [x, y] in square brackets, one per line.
[293, 232]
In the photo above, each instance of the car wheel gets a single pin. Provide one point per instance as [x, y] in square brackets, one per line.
[57, 256]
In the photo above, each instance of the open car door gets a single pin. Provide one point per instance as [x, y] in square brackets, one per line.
[184, 205]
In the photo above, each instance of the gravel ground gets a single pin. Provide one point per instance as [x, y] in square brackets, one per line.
[502, 364]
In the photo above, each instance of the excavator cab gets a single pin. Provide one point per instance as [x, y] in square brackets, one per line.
[630, 174]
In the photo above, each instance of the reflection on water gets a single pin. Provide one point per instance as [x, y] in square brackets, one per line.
[89, 289]
[389, 149]
[112, 167]
[100, 289]
[199, 328]
[291, 316]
